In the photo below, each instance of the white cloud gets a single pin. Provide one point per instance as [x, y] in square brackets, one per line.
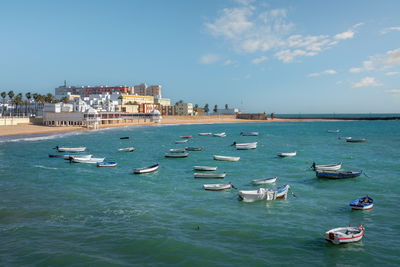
[393, 91]
[330, 72]
[366, 82]
[339, 82]
[389, 29]
[259, 60]
[228, 62]
[209, 59]
[388, 60]
[392, 73]
[251, 27]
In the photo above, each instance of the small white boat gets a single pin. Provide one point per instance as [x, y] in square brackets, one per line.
[345, 234]
[333, 131]
[107, 164]
[126, 149]
[217, 187]
[70, 149]
[288, 154]
[352, 140]
[209, 175]
[246, 146]
[249, 133]
[329, 167]
[181, 141]
[87, 160]
[205, 168]
[149, 169]
[264, 181]
[223, 134]
[204, 134]
[177, 150]
[226, 158]
[190, 148]
[176, 155]
[264, 194]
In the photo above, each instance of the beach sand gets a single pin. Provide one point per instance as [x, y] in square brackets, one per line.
[26, 129]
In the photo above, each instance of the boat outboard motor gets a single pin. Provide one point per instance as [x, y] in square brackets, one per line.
[313, 166]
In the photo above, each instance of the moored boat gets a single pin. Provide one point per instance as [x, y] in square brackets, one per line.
[362, 203]
[204, 134]
[226, 158]
[287, 154]
[223, 134]
[352, 140]
[59, 156]
[125, 137]
[246, 146]
[126, 149]
[334, 131]
[70, 157]
[176, 155]
[264, 181]
[328, 167]
[345, 234]
[209, 175]
[87, 160]
[205, 168]
[249, 133]
[107, 164]
[193, 148]
[217, 187]
[338, 174]
[149, 169]
[177, 150]
[264, 194]
[186, 137]
[181, 141]
[70, 149]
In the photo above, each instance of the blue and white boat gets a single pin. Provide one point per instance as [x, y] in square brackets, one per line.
[337, 174]
[362, 203]
[107, 164]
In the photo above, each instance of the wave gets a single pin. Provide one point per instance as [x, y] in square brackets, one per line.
[39, 137]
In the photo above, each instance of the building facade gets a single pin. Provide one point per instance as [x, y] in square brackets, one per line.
[184, 109]
[154, 90]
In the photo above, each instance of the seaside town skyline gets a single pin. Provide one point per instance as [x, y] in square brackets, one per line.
[258, 56]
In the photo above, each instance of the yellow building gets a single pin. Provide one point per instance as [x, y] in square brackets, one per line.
[162, 101]
[136, 99]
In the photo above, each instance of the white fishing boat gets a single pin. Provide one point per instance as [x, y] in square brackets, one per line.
[217, 187]
[328, 167]
[345, 234]
[79, 156]
[205, 168]
[264, 194]
[176, 155]
[70, 149]
[264, 181]
[87, 160]
[333, 131]
[177, 150]
[204, 134]
[209, 175]
[126, 149]
[226, 158]
[287, 154]
[223, 134]
[245, 146]
[181, 141]
[149, 169]
[249, 133]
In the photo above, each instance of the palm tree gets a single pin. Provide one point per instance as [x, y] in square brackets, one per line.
[3, 95]
[49, 98]
[28, 96]
[11, 96]
[64, 100]
[36, 98]
[206, 109]
[18, 102]
[226, 106]
[215, 108]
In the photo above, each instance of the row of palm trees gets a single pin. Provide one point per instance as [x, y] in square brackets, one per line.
[20, 106]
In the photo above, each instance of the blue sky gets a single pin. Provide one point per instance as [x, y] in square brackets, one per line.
[273, 56]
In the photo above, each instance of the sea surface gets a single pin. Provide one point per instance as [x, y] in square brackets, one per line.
[53, 213]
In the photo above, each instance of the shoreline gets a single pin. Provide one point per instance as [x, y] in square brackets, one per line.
[32, 129]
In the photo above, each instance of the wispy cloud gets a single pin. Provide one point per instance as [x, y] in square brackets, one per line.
[390, 59]
[248, 28]
[389, 29]
[259, 60]
[392, 73]
[228, 62]
[316, 74]
[393, 91]
[366, 82]
[209, 59]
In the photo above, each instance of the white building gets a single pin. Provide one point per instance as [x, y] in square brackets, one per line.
[184, 109]
[229, 111]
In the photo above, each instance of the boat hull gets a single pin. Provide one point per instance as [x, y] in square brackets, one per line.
[344, 235]
[337, 174]
[106, 164]
[210, 175]
[205, 168]
[176, 155]
[284, 155]
[71, 149]
[362, 203]
[264, 181]
[149, 169]
[329, 167]
[225, 158]
[217, 187]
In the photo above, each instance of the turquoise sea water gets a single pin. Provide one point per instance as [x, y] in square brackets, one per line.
[53, 213]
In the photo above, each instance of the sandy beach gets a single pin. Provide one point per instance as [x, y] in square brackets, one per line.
[25, 129]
